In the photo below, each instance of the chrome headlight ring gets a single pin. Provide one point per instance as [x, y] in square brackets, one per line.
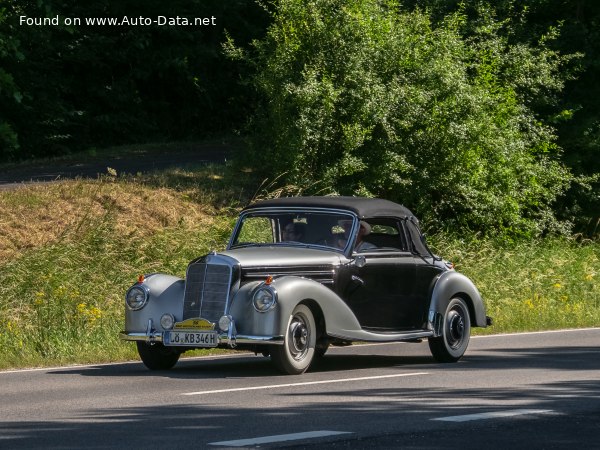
[137, 297]
[264, 298]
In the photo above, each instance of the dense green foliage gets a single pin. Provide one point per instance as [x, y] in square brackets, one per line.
[366, 98]
[68, 88]
[576, 113]
[472, 112]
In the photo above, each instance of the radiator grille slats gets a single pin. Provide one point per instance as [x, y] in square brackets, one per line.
[206, 291]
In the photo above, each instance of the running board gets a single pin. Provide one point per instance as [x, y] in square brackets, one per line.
[369, 336]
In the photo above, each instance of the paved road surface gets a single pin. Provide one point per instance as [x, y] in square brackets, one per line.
[530, 391]
[146, 159]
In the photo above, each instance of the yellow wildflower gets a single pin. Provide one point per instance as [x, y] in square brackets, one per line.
[95, 313]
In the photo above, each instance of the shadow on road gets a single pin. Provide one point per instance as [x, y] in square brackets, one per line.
[181, 421]
[418, 357]
[170, 425]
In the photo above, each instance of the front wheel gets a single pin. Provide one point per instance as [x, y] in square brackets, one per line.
[298, 350]
[452, 344]
[156, 356]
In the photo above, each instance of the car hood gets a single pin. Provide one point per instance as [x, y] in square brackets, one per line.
[283, 256]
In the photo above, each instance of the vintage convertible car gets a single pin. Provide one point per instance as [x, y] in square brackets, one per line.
[302, 273]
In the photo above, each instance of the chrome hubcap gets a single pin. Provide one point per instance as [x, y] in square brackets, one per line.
[299, 337]
[455, 331]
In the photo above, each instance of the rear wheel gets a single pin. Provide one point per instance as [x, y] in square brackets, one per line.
[298, 350]
[156, 356]
[452, 344]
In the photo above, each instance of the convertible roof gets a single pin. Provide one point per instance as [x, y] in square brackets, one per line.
[362, 206]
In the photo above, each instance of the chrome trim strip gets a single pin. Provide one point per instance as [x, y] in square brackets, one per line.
[249, 273]
[245, 339]
[320, 276]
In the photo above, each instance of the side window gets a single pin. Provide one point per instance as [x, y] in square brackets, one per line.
[384, 229]
[385, 234]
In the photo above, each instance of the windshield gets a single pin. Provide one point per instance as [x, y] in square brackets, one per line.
[299, 228]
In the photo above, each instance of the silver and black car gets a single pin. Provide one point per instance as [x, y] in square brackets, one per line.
[300, 274]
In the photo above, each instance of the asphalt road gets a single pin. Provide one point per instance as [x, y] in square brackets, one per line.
[143, 159]
[530, 391]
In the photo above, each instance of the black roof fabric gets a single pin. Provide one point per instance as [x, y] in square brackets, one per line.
[362, 206]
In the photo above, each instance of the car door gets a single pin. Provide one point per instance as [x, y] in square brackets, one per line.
[380, 282]
[426, 271]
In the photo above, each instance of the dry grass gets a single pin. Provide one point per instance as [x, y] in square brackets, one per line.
[42, 214]
[70, 249]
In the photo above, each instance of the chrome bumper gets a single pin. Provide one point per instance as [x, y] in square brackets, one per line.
[225, 339]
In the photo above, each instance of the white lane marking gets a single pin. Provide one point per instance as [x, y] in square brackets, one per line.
[306, 383]
[492, 415]
[527, 333]
[279, 438]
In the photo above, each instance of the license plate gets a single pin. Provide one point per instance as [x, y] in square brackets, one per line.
[192, 338]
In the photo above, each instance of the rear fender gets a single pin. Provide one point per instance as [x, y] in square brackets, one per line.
[449, 285]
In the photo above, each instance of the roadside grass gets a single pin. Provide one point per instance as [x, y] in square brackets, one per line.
[547, 284]
[69, 250]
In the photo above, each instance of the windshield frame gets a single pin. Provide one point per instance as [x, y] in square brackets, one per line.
[291, 210]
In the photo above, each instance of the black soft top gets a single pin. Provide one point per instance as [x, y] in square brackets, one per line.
[363, 207]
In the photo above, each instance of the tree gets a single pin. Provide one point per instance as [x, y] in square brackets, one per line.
[66, 87]
[10, 96]
[576, 112]
[365, 98]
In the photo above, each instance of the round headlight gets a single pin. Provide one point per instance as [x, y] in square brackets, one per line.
[136, 297]
[264, 299]
[167, 321]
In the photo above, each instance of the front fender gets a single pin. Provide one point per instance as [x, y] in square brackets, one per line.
[166, 296]
[453, 284]
[291, 291]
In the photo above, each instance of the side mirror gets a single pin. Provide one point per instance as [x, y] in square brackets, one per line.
[360, 261]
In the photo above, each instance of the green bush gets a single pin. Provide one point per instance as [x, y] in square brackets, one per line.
[364, 98]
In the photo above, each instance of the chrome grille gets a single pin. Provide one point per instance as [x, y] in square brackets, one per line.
[206, 291]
